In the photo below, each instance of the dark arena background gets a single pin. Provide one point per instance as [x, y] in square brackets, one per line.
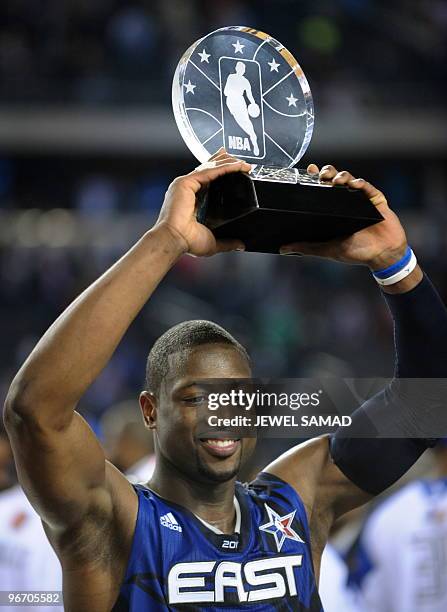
[89, 144]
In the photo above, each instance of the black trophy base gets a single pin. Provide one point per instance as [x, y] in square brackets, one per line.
[267, 215]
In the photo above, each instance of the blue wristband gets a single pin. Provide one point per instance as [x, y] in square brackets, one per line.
[394, 268]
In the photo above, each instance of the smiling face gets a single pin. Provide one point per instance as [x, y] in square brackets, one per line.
[176, 415]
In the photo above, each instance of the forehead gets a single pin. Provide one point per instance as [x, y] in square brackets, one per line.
[206, 361]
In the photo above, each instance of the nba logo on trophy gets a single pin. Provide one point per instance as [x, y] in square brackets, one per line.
[241, 89]
[242, 109]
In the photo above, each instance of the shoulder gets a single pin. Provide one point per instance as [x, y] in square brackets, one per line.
[148, 501]
[302, 467]
[270, 485]
[270, 492]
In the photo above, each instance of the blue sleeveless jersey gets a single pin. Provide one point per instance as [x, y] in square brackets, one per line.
[177, 563]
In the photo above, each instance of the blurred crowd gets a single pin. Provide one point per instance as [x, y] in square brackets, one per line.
[97, 52]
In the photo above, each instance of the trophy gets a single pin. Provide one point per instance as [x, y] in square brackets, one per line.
[241, 89]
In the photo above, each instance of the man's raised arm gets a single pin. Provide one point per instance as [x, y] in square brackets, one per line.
[60, 463]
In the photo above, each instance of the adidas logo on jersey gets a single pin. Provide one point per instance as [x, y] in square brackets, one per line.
[168, 520]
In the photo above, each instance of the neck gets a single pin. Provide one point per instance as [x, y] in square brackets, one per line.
[213, 502]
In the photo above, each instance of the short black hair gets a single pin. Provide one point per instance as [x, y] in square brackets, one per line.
[186, 335]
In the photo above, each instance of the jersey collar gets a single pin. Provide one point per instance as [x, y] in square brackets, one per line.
[225, 542]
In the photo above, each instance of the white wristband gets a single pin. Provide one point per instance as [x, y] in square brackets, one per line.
[391, 280]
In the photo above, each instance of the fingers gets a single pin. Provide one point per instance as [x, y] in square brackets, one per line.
[218, 153]
[313, 169]
[227, 160]
[212, 163]
[376, 197]
[204, 175]
[221, 168]
[222, 155]
[328, 172]
[218, 158]
[342, 178]
[224, 246]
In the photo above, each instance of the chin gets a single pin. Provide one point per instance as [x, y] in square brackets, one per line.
[222, 475]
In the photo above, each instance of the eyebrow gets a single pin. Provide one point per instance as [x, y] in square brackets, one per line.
[184, 384]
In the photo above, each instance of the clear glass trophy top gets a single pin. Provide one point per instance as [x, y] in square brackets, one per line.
[241, 89]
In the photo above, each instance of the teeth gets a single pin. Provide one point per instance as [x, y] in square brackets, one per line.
[220, 443]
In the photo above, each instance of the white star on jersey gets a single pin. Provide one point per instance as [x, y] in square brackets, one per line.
[204, 56]
[280, 527]
[291, 100]
[238, 47]
[189, 87]
[273, 65]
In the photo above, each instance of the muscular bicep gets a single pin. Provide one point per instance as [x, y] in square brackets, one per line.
[326, 492]
[62, 470]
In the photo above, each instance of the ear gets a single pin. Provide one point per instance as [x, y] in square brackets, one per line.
[148, 405]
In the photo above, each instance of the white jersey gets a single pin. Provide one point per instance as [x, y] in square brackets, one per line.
[141, 471]
[27, 561]
[334, 594]
[402, 557]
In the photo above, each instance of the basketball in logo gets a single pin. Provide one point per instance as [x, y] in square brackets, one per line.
[253, 110]
[241, 89]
